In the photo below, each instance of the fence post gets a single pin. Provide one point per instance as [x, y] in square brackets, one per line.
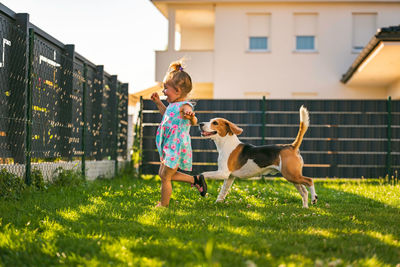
[97, 110]
[389, 138]
[136, 140]
[123, 118]
[17, 105]
[83, 143]
[22, 20]
[29, 110]
[115, 87]
[66, 103]
[263, 120]
[141, 137]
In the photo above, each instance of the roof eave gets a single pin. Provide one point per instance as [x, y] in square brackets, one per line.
[382, 35]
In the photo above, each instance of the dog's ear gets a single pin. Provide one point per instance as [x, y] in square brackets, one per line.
[233, 128]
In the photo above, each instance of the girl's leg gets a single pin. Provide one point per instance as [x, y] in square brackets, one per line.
[166, 174]
[183, 177]
[199, 182]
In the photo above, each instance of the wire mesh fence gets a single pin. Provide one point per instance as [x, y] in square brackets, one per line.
[57, 108]
[12, 97]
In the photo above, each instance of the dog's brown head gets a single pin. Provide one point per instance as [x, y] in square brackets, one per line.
[219, 127]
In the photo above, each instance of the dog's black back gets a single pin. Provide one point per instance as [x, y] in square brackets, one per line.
[263, 156]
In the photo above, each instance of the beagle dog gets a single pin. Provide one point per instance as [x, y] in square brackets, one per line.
[239, 160]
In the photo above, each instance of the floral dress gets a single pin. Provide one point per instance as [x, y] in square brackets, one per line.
[173, 139]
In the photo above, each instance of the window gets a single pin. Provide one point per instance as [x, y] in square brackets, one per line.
[364, 27]
[305, 43]
[258, 32]
[258, 43]
[305, 30]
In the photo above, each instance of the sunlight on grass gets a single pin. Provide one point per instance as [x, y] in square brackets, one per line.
[261, 223]
[15, 239]
[385, 238]
[23, 240]
[89, 209]
[253, 215]
[114, 194]
[175, 242]
[248, 254]
[295, 260]
[82, 260]
[98, 201]
[98, 205]
[149, 219]
[51, 228]
[69, 214]
[371, 262]
[231, 248]
[237, 230]
[389, 194]
[320, 232]
[120, 249]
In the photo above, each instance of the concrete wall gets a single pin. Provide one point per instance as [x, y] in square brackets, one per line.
[94, 169]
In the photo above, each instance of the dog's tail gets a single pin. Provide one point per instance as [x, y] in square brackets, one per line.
[304, 122]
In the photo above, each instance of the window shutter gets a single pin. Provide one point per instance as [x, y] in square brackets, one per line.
[364, 27]
[259, 25]
[305, 24]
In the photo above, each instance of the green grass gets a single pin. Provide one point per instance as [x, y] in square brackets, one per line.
[114, 222]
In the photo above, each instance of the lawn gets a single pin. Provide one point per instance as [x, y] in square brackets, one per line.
[262, 223]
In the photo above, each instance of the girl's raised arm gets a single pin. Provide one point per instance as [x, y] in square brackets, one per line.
[156, 99]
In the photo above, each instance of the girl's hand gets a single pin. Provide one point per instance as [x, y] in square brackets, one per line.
[188, 114]
[155, 97]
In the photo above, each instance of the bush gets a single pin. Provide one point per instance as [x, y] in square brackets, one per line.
[37, 180]
[72, 178]
[11, 186]
[127, 169]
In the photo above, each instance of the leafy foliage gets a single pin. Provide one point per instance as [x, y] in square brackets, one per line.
[38, 182]
[67, 178]
[11, 186]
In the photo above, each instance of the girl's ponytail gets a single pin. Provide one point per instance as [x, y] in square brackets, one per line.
[177, 77]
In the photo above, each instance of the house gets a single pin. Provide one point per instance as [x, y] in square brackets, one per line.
[285, 49]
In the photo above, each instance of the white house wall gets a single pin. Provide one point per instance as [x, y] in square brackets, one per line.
[281, 72]
[197, 38]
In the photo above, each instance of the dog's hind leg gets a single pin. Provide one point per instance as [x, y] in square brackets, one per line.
[307, 181]
[304, 194]
[314, 197]
[225, 189]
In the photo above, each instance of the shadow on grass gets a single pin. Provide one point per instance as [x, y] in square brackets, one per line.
[115, 222]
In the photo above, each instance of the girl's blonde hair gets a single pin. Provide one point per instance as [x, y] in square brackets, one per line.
[178, 78]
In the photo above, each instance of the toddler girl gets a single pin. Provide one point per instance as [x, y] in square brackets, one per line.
[173, 139]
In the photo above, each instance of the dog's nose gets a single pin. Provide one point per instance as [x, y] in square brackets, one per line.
[201, 124]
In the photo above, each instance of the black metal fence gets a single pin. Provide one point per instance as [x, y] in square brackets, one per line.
[55, 104]
[346, 138]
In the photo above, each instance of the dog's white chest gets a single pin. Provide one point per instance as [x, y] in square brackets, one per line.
[251, 169]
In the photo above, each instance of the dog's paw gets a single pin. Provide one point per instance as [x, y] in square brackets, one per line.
[219, 200]
[315, 200]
